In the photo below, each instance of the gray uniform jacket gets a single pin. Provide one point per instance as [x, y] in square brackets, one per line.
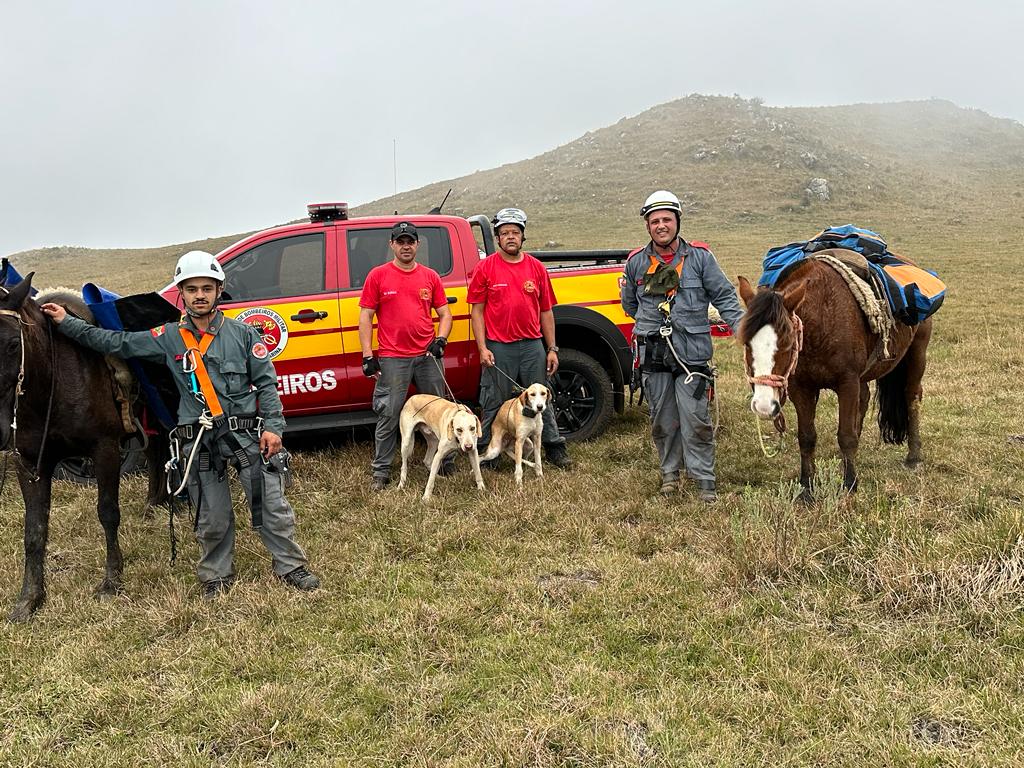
[701, 283]
[237, 361]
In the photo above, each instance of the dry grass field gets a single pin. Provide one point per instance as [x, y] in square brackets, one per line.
[585, 621]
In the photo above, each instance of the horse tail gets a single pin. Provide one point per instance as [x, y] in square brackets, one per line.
[893, 414]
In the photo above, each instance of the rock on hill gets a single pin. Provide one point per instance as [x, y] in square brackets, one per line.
[735, 163]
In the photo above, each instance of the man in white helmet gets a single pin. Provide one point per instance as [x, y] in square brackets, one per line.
[514, 328]
[666, 288]
[229, 412]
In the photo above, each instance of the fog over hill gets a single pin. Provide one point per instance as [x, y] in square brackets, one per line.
[734, 162]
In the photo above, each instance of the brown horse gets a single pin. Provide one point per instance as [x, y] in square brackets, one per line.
[810, 334]
[56, 402]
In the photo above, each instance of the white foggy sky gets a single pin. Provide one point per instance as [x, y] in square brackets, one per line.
[138, 123]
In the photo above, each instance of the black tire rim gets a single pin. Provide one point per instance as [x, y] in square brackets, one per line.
[575, 401]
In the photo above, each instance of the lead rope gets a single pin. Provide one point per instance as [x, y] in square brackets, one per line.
[49, 403]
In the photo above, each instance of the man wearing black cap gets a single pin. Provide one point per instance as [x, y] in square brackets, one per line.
[401, 294]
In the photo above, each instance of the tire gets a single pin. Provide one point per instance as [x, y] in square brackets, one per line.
[79, 469]
[584, 401]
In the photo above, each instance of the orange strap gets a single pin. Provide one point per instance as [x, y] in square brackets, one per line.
[197, 349]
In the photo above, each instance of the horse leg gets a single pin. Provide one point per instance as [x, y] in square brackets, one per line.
[850, 399]
[865, 401]
[806, 404]
[157, 453]
[916, 362]
[36, 495]
[107, 459]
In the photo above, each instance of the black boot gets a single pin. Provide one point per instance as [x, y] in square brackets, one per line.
[556, 455]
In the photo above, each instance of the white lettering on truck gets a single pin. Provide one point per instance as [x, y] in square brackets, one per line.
[306, 383]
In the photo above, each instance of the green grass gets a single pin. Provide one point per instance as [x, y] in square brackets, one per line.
[586, 621]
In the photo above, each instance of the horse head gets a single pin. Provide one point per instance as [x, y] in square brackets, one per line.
[12, 363]
[772, 334]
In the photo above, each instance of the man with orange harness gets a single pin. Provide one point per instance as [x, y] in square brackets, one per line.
[666, 288]
[229, 413]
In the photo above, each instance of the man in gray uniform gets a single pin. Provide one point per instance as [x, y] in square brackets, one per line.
[229, 413]
[666, 288]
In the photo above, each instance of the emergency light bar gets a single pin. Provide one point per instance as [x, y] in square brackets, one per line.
[327, 212]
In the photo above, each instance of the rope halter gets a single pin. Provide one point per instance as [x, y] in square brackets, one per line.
[781, 381]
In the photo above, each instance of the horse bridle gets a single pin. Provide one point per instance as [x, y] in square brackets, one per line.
[777, 381]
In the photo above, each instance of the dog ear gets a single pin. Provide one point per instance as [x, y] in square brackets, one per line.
[523, 397]
[549, 394]
[451, 429]
[479, 426]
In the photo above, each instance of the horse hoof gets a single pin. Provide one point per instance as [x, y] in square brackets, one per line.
[24, 609]
[805, 497]
[912, 464]
[108, 590]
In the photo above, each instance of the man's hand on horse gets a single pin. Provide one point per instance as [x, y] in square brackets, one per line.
[269, 444]
[55, 311]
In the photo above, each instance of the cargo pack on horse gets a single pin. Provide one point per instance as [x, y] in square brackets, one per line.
[809, 333]
[57, 400]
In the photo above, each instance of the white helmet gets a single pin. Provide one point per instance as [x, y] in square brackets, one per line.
[662, 200]
[197, 264]
[510, 216]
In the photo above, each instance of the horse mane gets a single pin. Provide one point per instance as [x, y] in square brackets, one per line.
[766, 308]
[68, 298]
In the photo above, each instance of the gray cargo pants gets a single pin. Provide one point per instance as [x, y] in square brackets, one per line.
[526, 361]
[681, 427]
[215, 525]
[389, 395]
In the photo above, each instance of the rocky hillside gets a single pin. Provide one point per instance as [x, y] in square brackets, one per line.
[738, 166]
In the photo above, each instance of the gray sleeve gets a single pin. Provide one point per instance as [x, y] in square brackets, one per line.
[722, 293]
[124, 344]
[627, 293]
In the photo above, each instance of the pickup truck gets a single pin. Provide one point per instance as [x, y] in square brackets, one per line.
[299, 284]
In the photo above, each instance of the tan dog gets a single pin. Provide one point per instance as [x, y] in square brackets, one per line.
[447, 427]
[514, 426]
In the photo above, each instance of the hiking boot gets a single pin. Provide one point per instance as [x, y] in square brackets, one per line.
[379, 483]
[215, 587]
[491, 464]
[707, 493]
[669, 486]
[557, 456]
[302, 579]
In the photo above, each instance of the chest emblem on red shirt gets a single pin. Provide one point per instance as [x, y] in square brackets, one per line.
[529, 286]
[271, 327]
[157, 332]
[425, 294]
[259, 350]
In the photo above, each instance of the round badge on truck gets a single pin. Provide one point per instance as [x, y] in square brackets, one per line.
[270, 325]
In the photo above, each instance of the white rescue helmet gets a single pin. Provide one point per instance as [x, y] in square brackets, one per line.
[197, 264]
[662, 200]
[509, 216]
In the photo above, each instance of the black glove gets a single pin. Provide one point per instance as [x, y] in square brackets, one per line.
[437, 346]
[371, 366]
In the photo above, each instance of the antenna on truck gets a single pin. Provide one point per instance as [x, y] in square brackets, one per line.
[435, 211]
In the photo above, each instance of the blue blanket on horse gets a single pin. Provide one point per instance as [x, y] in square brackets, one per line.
[912, 293]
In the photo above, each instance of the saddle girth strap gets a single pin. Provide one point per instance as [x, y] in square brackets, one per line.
[197, 349]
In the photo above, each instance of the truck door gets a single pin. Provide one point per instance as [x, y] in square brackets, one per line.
[364, 247]
[285, 286]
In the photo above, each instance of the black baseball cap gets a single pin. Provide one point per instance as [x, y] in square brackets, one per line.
[404, 228]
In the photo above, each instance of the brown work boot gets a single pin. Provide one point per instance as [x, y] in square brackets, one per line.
[669, 486]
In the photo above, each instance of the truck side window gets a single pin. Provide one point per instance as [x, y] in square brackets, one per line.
[289, 266]
[368, 248]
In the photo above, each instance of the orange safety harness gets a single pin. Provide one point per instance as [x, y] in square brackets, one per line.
[194, 351]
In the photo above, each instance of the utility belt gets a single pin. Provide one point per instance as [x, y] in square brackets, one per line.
[655, 356]
[230, 423]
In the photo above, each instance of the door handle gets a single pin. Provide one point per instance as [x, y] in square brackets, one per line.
[309, 315]
[452, 300]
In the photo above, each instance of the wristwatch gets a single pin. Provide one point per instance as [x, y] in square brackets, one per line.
[553, 348]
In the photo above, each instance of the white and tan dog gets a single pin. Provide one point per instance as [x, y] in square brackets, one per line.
[518, 423]
[447, 427]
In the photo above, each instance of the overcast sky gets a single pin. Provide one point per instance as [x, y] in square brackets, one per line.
[137, 123]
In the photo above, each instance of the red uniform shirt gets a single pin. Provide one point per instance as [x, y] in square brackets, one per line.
[513, 296]
[402, 301]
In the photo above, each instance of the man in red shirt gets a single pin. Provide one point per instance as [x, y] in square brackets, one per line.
[401, 294]
[514, 328]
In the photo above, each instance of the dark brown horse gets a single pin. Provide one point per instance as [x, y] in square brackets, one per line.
[810, 334]
[56, 402]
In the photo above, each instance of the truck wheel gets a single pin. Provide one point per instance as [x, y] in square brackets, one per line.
[79, 469]
[584, 402]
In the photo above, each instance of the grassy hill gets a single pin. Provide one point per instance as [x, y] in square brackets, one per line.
[741, 168]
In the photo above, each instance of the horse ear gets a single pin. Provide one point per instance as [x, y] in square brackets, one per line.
[746, 291]
[16, 296]
[793, 297]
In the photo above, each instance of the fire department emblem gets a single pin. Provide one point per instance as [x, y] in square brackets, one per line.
[271, 327]
[259, 350]
[529, 286]
[425, 294]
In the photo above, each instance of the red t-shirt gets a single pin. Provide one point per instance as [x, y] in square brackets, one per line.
[513, 296]
[402, 301]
